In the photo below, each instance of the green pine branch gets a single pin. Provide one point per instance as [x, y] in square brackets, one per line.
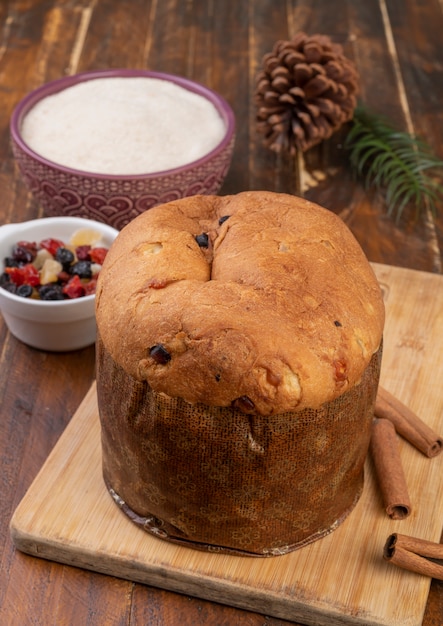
[394, 162]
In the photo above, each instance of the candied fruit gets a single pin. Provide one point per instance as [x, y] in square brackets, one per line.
[50, 271]
[85, 237]
[54, 270]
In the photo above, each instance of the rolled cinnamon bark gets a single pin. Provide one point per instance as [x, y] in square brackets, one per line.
[389, 469]
[414, 554]
[408, 424]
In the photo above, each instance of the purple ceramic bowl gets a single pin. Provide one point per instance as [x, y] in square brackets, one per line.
[117, 199]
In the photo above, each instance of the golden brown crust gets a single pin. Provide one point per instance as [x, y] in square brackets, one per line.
[281, 312]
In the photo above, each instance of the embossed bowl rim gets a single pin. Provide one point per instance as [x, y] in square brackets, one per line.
[32, 98]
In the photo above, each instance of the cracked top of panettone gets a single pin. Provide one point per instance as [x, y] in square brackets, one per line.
[259, 300]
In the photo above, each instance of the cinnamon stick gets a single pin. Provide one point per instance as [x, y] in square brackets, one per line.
[389, 470]
[408, 424]
[414, 554]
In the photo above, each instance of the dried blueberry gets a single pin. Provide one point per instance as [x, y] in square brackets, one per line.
[5, 279]
[202, 240]
[10, 262]
[11, 287]
[6, 283]
[51, 291]
[25, 291]
[160, 354]
[65, 257]
[82, 269]
[223, 219]
[22, 254]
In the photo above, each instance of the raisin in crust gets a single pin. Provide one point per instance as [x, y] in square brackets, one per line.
[278, 311]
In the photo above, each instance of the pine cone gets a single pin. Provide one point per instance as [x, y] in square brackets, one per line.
[306, 90]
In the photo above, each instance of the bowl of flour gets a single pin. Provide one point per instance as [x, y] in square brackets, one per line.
[108, 145]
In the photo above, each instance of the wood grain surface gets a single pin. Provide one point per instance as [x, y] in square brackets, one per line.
[398, 50]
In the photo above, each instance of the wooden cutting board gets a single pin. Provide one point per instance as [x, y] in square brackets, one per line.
[67, 515]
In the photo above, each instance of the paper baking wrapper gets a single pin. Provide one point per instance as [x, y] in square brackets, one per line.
[217, 479]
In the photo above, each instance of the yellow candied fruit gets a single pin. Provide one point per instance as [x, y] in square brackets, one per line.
[85, 237]
[49, 272]
[41, 256]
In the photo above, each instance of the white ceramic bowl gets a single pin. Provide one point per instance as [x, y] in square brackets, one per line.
[57, 325]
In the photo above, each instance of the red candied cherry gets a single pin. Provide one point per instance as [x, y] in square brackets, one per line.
[51, 245]
[98, 255]
[74, 288]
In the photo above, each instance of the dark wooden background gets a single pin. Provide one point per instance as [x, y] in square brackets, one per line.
[397, 46]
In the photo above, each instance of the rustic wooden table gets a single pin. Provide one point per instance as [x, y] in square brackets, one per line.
[396, 45]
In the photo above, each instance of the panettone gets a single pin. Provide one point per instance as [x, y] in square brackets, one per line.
[238, 356]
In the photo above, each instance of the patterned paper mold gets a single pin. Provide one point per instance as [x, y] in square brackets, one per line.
[188, 474]
[115, 199]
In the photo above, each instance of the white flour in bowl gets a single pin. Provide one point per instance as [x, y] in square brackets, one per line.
[132, 125]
